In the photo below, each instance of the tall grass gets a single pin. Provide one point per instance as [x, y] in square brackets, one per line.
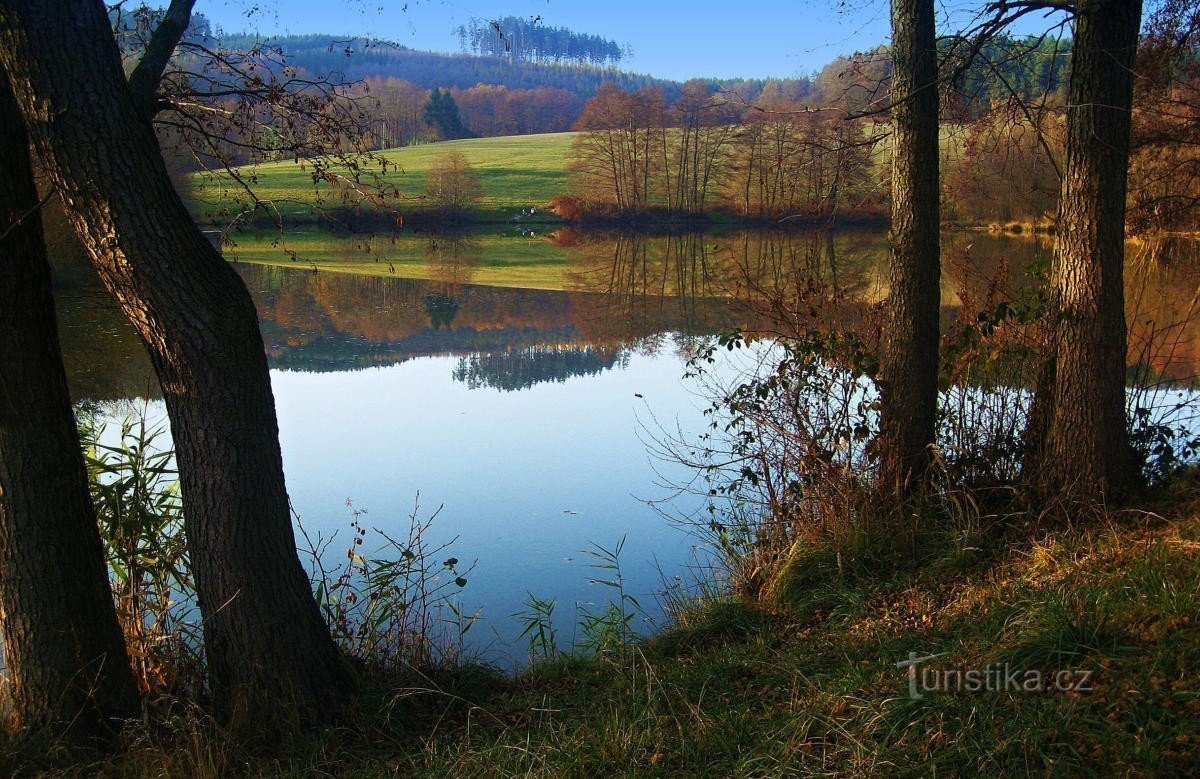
[390, 600]
[131, 474]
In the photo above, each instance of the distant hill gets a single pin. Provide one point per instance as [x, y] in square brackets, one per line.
[359, 58]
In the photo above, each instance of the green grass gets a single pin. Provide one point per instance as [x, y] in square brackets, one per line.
[812, 688]
[515, 172]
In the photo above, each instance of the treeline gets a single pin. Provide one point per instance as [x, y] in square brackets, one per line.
[638, 152]
[812, 150]
[527, 40]
[485, 110]
[514, 95]
[764, 149]
[355, 59]
[1005, 163]
[973, 79]
[500, 98]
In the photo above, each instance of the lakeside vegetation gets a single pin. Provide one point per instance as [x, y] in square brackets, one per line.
[807, 680]
[524, 181]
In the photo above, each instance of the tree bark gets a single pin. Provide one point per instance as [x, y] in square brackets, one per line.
[67, 664]
[908, 371]
[265, 641]
[1088, 450]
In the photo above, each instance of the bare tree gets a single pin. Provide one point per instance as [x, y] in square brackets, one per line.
[452, 185]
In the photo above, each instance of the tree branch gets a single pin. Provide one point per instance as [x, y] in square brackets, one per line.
[143, 81]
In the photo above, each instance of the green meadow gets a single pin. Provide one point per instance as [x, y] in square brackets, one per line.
[515, 173]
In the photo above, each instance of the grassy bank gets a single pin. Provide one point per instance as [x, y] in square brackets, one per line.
[811, 684]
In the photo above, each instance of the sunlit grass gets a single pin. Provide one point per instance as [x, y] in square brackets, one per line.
[515, 172]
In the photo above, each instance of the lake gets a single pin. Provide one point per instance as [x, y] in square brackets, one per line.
[522, 414]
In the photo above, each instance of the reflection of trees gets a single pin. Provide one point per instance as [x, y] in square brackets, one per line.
[632, 289]
[452, 261]
[630, 293]
[441, 309]
[770, 280]
[522, 368]
[791, 280]
[993, 269]
[634, 286]
[333, 321]
[1162, 307]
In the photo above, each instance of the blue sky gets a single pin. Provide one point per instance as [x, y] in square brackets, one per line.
[670, 38]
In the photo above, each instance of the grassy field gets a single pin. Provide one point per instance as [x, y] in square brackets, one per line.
[516, 172]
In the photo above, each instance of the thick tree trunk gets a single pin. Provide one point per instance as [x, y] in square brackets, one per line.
[909, 366]
[266, 643]
[1088, 450]
[66, 658]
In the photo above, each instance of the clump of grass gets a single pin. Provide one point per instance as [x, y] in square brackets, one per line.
[131, 474]
[537, 627]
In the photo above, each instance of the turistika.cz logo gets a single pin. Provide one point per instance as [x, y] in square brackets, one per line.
[994, 677]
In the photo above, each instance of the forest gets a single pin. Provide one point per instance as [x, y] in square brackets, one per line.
[945, 480]
[527, 40]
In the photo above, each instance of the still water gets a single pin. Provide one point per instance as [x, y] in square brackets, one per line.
[523, 416]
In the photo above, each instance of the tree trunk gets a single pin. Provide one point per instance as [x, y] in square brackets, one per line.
[1088, 450]
[909, 366]
[67, 664]
[267, 646]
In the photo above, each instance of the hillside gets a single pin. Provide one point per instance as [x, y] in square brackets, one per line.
[516, 173]
[811, 686]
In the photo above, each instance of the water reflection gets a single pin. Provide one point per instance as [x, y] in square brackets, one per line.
[102, 354]
[1162, 282]
[624, 292]
[522, 368]
[519, 409]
